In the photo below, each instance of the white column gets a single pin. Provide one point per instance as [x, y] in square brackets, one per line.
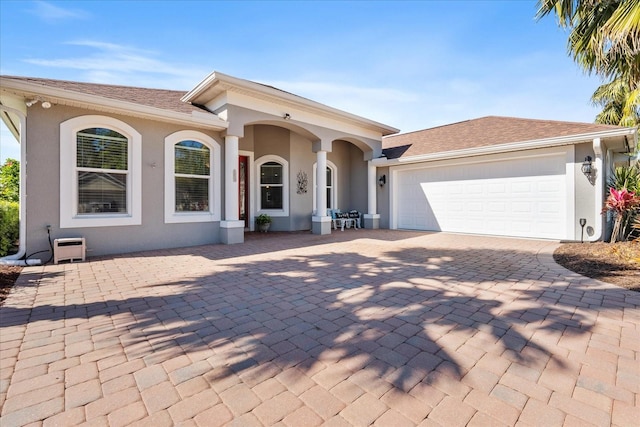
[321, 182]
[231, 178]
[371, 218]
[371, 188]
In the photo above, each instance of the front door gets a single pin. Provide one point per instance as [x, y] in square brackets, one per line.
[243, 190]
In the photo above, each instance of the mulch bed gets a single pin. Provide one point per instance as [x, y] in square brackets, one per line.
[617, 263]
[8, 276]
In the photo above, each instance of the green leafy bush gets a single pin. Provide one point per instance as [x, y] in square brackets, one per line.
[9, 227]
[10, 181]
[626, 177]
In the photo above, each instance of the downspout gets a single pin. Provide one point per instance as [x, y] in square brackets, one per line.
[16, 259]
[599, 187]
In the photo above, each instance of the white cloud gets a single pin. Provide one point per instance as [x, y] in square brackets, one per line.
[50, 13]
[118, 64]
[375, 103]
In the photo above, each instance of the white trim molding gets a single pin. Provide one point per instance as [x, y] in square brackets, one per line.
[69, 217]
[170, 214]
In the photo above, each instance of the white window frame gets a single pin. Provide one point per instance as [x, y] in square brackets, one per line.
[69, 217]
[285, 186]
[170, 214]
[334, 192]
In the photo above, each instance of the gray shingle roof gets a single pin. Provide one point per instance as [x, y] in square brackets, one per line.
[482, 132]
[157, 98]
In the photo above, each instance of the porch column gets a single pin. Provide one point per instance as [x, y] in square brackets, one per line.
[371, 218]
[321, 223]
[231, 229]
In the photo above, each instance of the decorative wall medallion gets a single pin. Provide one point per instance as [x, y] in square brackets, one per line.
[302, 182]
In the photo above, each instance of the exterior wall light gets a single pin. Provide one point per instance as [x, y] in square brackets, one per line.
[382, 180]
[586, 166]
[287, 116]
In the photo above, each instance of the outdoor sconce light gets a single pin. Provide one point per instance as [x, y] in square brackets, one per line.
[286, 116]
[382, 180]
[586, 166]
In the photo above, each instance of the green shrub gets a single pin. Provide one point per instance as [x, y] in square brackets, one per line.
[625, 177]
[9, 227]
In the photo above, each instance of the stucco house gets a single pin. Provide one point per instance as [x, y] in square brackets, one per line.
[133, 168]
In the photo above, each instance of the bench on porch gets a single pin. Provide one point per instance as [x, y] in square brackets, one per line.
[339, 219]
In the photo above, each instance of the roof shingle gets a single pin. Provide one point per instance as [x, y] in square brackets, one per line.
[482, 132]
[157, 98]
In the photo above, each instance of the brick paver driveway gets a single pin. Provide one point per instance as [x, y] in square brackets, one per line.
[357, 328]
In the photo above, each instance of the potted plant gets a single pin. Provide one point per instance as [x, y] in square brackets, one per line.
[264, 222]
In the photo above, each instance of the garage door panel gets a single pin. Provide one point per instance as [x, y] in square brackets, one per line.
[522, 208]
[523, 197]
[474, 189]
[521, 188]
[523, 227]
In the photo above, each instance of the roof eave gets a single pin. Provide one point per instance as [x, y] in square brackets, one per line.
[78, 99]
[509, 147]
[225, 82]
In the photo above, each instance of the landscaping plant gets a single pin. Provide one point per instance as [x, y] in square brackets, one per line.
[9, 206]
[623, 204]
[9, 226]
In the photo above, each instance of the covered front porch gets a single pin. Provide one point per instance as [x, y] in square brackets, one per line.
[290, 158]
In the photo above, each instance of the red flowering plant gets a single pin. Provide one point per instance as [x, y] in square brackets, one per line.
[622, 204]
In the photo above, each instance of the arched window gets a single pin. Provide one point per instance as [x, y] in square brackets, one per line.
[273, 185]
[332, 188]
[191, 159]
[100, 182]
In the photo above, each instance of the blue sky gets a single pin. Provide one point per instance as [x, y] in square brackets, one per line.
[411, 65]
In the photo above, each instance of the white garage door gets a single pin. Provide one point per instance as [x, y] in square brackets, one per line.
[519, 197]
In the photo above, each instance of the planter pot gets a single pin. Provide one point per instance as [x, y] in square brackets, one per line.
[264, 227]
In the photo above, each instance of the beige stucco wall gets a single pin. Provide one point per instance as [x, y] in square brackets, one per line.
[43, 190]
[43, 183]
[383, 198]
[300, 205]
[584, 194]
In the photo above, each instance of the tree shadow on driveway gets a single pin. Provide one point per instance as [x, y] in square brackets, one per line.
[393, 317]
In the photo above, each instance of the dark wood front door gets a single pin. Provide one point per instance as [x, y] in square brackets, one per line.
[243, 190]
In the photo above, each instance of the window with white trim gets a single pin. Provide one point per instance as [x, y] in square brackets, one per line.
[103, 169]
[332, 188]
[99, 173]
[273, 185]
[191, 160]
[192, 176]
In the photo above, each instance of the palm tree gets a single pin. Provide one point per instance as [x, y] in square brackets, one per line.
[618, 106]
[605, 40]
